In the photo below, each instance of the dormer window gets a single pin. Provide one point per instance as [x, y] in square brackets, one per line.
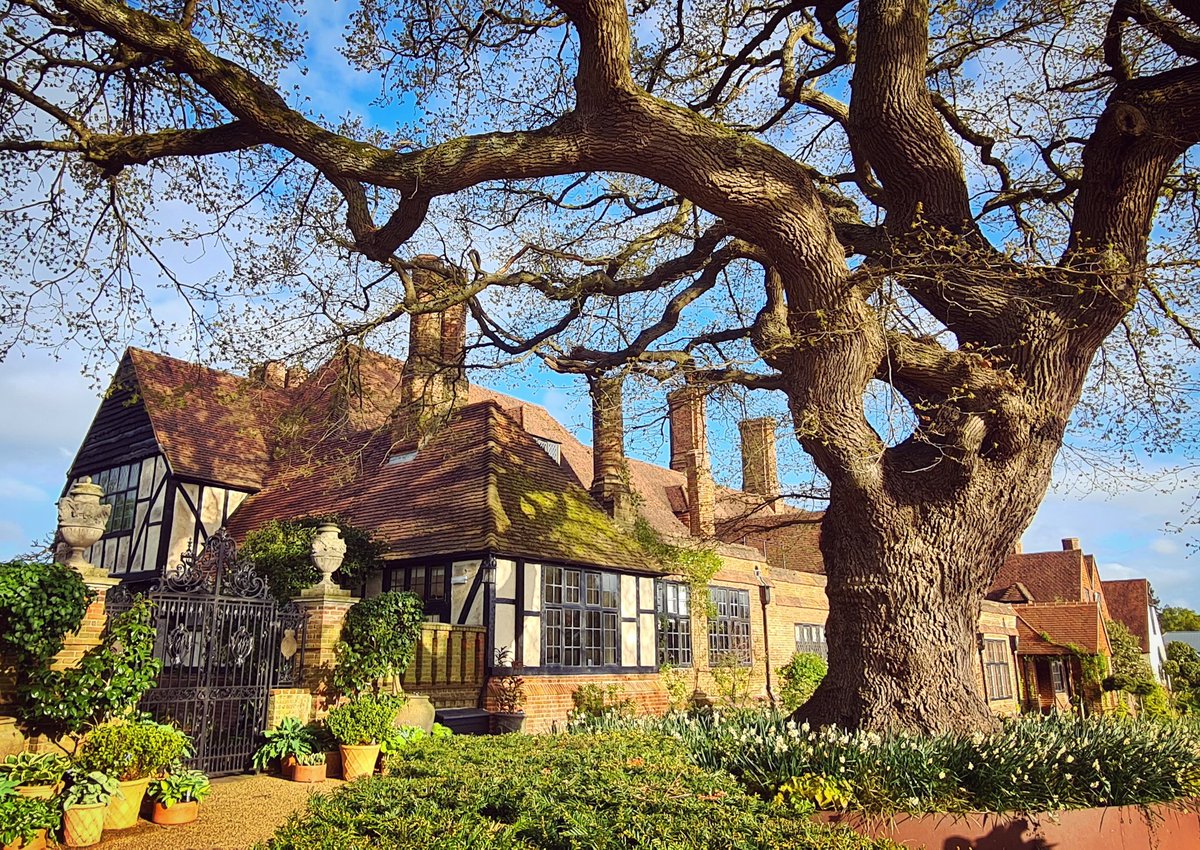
[402, 457]
[552, 447]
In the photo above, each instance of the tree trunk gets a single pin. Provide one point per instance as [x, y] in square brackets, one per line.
[906, 581]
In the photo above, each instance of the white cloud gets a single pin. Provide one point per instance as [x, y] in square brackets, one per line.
[1164, 546]
[11, 488]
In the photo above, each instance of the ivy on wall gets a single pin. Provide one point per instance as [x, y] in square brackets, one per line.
[697, 565]
[40, 604]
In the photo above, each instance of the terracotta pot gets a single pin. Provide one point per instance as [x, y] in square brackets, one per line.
[504, 722]
[38, 792]
[122, 811]
[287, 765]
[176, 814]
[83, 825]
[333, 764]
[308, 773]
[358, 761]
[38, 842]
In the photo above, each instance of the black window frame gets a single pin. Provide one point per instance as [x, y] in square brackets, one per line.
[674, 626]
[729, 634]
[123, 498]
[997, 672]
[810, 638]
[1058, 676]
[580, 630]
[433, 593]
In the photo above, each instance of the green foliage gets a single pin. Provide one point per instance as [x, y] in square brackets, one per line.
[310, 759]
[1131, 671]
[129, 750]
[1175, 619]
[22, 817]
[281, 552]
[1157, 703]
[596, 701]
[40, 604]
[1183, 669]
[731, 679]
[697, 565]
[813, 791]
[799, 679]
[678, 685]
[107, 683]
[90, 787]
[180, 786]
[518, 792]
[34, 768]
[289, 738]
[379, 638]
[365, 719]
[1029, 764]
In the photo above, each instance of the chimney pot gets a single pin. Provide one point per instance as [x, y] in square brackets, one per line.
[296, 375]
[271, 372]
[1070, 544]
[689, 454]
[760, 464]
[610, 473]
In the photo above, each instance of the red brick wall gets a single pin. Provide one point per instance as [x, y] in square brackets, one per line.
[548, 698]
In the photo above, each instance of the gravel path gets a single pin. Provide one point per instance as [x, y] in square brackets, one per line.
[241, 811]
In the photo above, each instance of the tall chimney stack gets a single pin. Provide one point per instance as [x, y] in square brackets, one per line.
[434, 383]
[1070, 544]
[687, 412]
[760, 464]
[610, 472]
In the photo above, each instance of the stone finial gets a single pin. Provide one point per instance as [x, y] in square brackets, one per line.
[328, 552]
[81, 522]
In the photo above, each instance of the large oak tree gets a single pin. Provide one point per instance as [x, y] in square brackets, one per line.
[955, 200]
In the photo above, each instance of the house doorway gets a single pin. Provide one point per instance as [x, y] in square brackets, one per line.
[224, 643]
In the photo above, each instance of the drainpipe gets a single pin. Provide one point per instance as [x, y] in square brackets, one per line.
[764, 598]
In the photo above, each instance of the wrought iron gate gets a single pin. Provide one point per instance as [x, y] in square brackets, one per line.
[224, 643]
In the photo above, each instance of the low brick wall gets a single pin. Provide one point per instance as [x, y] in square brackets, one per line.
[548, 698]
[289, 702]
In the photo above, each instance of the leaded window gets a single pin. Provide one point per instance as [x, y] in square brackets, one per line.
[120, 486]
[995, 669]
[579, 617]
[810, 637]
[673, 608]
[1058, 676]
[729, 625]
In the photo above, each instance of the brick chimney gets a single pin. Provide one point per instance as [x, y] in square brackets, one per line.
[610, 472]
[1070, 544]
[760, 465]
[434, 383]
[687, 411]
[273, 373]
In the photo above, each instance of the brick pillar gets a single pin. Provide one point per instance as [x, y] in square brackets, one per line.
[326, 611]
[92, 628]
[689, 454]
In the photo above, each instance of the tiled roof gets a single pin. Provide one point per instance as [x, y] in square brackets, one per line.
[1129, 604]
[788, 538]
[1052, 628]
[1049, 576]
[480, 484]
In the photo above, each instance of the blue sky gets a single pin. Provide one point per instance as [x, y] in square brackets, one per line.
[48, 405]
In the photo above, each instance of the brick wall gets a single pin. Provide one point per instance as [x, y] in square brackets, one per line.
[289, 702]
[548, 698]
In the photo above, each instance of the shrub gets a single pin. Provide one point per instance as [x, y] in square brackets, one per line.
[799, 679]
[22, 817]
[379, 637]
[131, 751]
[678, 685]
[595, 701]
[40, 604]
[366, 719]
[107, 683]
[604, 793]
[281, 552]
[732, 681]
[508, 687]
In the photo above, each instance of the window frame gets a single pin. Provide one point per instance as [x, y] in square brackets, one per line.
[401, 578]
[576, 622]
[727, 628]
[123, 500]
[815, 642]
[674, 623]
[997, 672]
[1058, 675]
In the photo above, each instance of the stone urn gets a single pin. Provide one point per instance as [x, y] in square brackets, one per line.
[81, 521]
[417, 711]
[328, 552]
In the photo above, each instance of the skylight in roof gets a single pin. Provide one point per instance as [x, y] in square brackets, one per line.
[402, 457]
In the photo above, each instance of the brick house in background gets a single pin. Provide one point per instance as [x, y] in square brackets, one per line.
[498, 517]
[1131, 602]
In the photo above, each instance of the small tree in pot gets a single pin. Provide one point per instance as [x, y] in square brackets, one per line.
[359, 725]
[508, 690]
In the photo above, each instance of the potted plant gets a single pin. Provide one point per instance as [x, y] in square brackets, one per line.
[178, 795]
[508, 691]
[324, 742]
[35, 774]
[310, 767]
[24, 820]
[135, 754]
[287, 741]
[359, 725]
[84, 805]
